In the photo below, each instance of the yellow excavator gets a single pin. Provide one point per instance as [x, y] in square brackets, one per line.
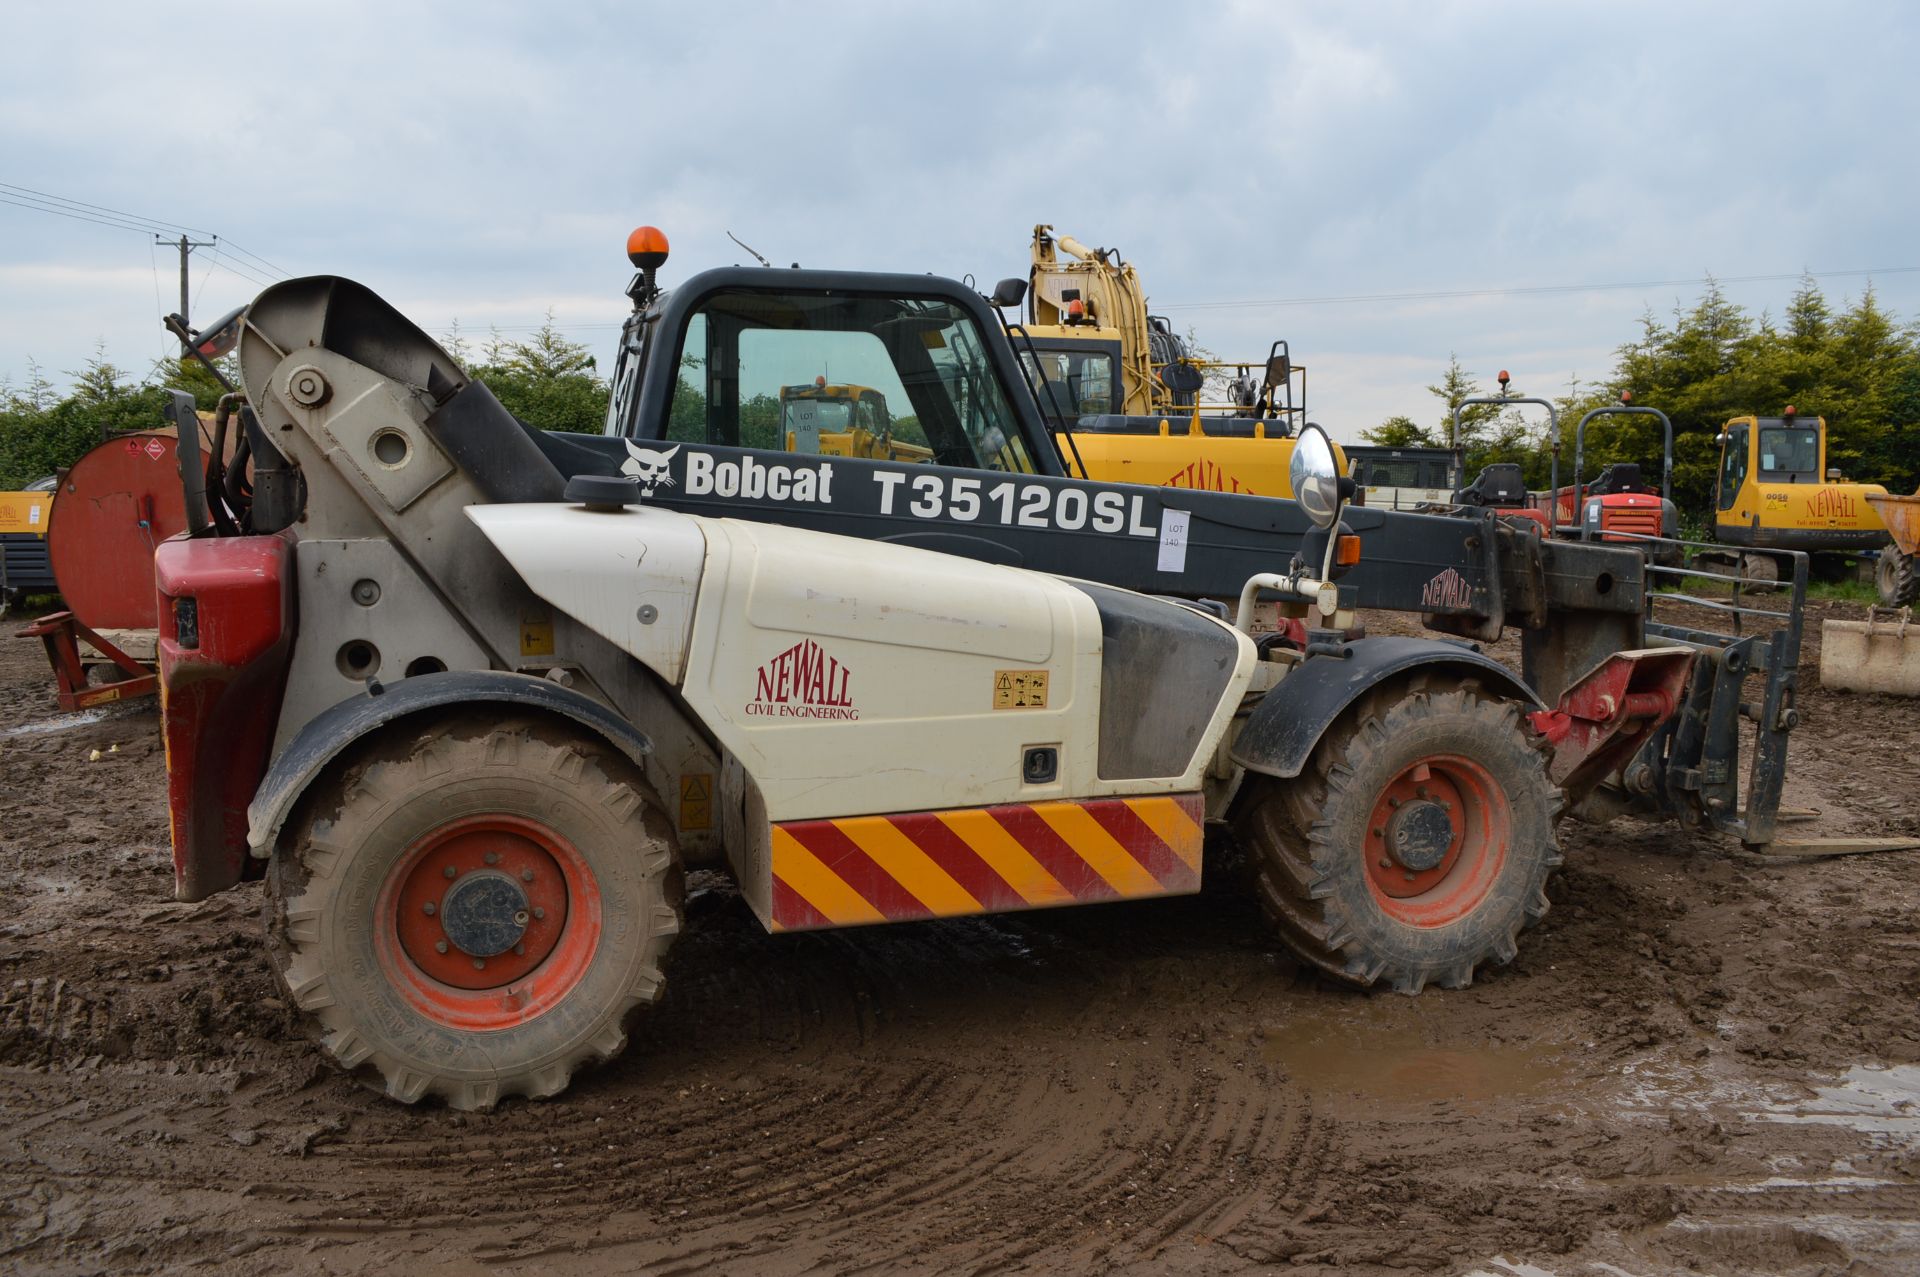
[1775, 492]
[839, 419]
[1129, 400]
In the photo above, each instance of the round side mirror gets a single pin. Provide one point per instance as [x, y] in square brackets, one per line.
[1315, 476]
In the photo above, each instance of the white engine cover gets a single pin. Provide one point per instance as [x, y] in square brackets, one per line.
[848, 677]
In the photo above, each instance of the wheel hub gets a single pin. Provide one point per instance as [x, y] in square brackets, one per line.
[484, 913]
[482, 903]
[1415, 831]
[1419, 835]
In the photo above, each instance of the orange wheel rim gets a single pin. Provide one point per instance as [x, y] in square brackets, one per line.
[487, 921]
[1436, 840]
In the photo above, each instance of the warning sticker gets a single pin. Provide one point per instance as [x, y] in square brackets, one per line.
[1019, 689]
[696, 801]
[155, 448]
[536, 636]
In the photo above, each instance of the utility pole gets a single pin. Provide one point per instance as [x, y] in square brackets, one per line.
[185, 246]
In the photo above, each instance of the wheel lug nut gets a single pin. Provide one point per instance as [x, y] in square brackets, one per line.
[427, 908]
[439, 946]
[1422, 791]
[520, 919]
[1393, 802]
[520, 948]
[1379, 833]
[1385, 863]
[526, 875]
[493, 857]
[480, 964]
[451, 872]
[539, 913]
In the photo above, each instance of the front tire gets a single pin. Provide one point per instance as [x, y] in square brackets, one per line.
[1416, 844]
[1898, 578]
[471, 909]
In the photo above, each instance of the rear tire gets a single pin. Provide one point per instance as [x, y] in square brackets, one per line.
[1416, 844]
[1761, 570]
[1898, 578]
[471, 909]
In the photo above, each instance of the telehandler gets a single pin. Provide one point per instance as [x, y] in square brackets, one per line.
[472, 697]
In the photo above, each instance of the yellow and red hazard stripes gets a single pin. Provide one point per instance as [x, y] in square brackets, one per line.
[943, 864]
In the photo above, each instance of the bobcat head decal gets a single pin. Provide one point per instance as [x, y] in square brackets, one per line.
[649, 466]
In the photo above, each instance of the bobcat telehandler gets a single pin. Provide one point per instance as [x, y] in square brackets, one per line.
[471, 697]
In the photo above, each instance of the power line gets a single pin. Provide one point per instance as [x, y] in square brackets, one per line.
[79, 217]
[1453, 294]
[236, 269]
[79, 210]
[98, 208]
[255, 257]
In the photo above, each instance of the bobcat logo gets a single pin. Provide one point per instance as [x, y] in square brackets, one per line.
[649, 466]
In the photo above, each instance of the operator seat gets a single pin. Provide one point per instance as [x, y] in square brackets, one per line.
[1621, 476]
[1499, 486]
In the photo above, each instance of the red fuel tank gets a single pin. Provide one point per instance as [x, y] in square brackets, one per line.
[111, 510]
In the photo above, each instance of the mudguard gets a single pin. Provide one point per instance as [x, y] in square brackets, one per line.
[1289, 721]
[332, 731]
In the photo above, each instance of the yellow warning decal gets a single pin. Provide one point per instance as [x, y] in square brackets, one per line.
[24, 511]
[696, 801]
[1019, 689]
[536, 636]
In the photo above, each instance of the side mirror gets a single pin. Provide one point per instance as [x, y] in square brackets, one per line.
[1009, 292]
[221, 336]
[1315, 476]
[1182, 379]
[1833, 475]
[1721, 438]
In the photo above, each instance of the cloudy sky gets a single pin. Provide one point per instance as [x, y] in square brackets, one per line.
[1381, 184]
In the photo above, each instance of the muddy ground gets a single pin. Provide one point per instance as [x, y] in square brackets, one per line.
[1700, 1061]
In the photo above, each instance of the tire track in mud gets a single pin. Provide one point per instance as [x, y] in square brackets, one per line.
[991, 1101]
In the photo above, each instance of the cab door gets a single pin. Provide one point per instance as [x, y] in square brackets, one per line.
[1734, 495]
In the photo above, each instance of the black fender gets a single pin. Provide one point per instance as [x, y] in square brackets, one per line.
[308, 754]
[1289, 720]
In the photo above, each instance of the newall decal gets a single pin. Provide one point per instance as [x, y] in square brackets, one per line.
[1448, 591]
[802, 682]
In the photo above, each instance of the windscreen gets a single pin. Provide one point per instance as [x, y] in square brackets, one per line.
[1793, 450]
[917, 369]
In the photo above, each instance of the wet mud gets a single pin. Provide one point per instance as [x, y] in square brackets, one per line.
[1701, 1061]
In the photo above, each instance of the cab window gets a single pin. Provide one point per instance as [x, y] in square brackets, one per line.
[899, 378]
[1733, 466]
[1070, 384]
[1790, 452]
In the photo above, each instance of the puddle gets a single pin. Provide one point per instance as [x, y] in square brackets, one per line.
[1501, 1266]
[64, 723]
[1878, 1100]
[1391, 1055]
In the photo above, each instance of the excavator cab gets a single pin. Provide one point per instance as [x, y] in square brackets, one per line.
[1775, 492]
